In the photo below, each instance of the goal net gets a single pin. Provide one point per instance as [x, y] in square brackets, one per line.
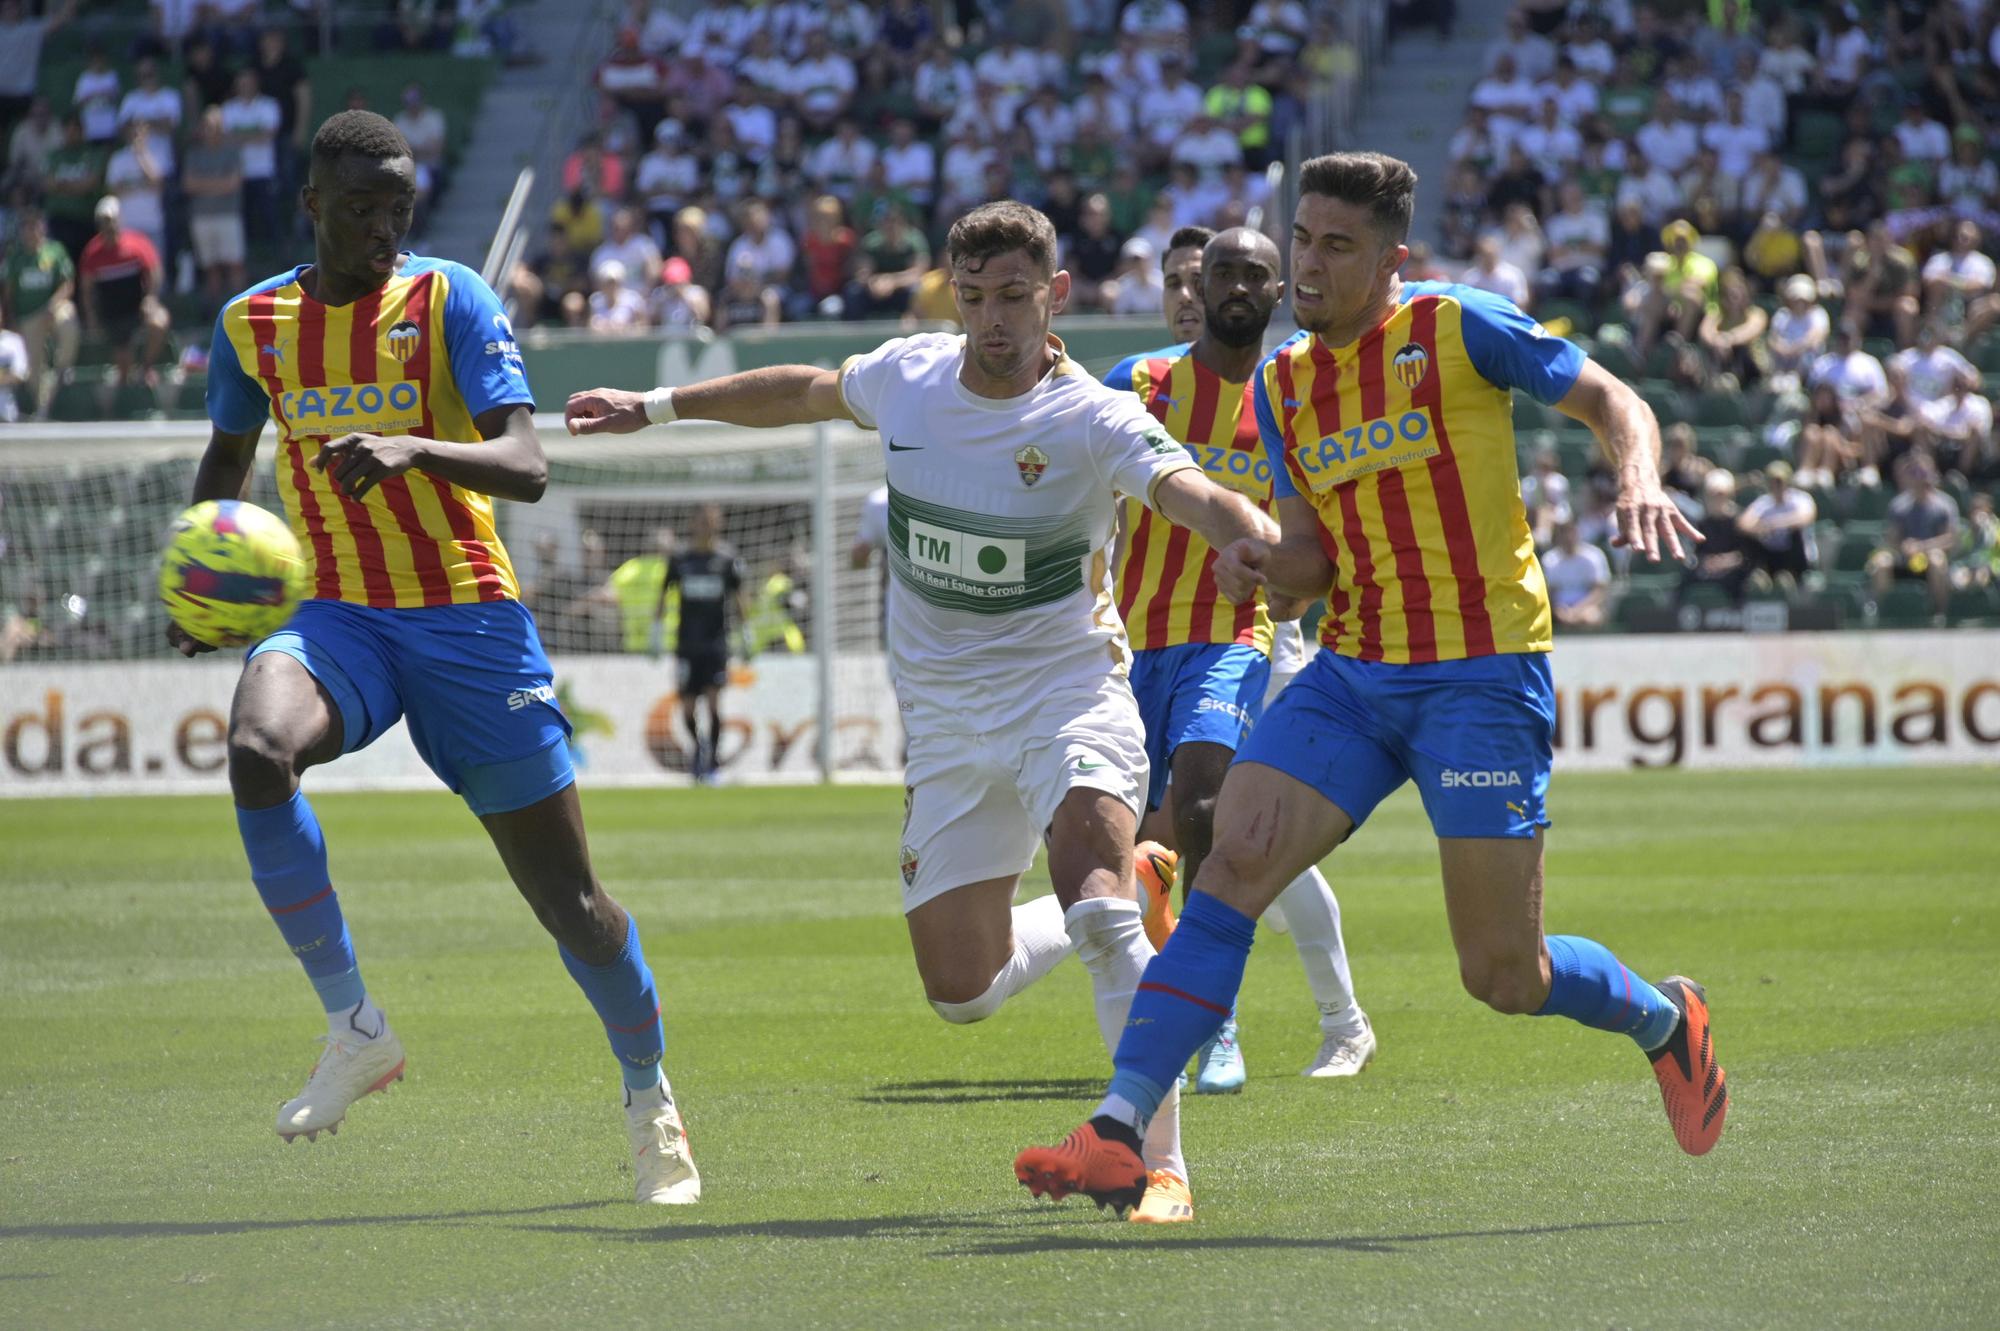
[91, 697]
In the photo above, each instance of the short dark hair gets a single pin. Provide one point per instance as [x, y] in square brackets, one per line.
[1385, 186]
[358, 134]
[994, 229]
[1187, 238]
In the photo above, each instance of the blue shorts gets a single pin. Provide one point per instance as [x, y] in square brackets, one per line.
[472, 681]
[1475, 735]
[1203, 692]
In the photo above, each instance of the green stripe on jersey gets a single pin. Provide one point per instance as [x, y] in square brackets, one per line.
[985, 565]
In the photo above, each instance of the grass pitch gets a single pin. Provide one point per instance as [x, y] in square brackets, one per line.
[855, 1150]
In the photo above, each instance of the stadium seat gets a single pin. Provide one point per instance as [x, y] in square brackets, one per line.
[1905, 605]
[1973, 603]
[1714, 407]
[1857, 542]
[1635, 609]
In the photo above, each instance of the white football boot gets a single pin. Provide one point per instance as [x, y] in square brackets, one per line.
[662, 1165]
[1344, 1054]
[348, 1068]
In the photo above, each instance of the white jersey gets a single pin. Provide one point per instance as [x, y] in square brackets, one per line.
[1000, 528]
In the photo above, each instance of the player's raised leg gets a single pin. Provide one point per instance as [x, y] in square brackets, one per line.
[282, 721]
[546, 853]
[975, 949]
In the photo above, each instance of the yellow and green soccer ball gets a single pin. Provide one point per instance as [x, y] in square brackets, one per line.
[233, 573]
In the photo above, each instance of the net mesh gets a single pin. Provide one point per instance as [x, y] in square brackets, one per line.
[82, 524]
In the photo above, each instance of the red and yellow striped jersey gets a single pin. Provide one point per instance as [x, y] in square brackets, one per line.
[1166, 573]
[1403, 444]
[424, 355]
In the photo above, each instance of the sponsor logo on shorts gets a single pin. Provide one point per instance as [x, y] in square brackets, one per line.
[909, 866]
[521, 698]
[1483, 780]
[1226, 707]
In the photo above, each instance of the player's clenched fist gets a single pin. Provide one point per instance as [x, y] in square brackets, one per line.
[606, 411]
[1239, 568]
[356, 463]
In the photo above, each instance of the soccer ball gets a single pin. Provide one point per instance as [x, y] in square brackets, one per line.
[233, 573]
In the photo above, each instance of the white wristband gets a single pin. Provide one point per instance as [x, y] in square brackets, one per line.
[660, 406]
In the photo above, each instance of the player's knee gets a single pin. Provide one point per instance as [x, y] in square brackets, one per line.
[964, 999]
[1506, 983]
[1194, 824]
[261, 751]
[1230, 872]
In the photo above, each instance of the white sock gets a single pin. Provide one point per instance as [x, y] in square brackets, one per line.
[358, 1024]
[647, 1101]
[1040, 941]
[1314, 915]
[1110, 934]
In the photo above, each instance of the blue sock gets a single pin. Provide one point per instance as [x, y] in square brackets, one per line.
[1588, 984]
[288, 864]
[629, 1006]
[1184, 996]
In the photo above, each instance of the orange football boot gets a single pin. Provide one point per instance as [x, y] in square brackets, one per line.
[1100, 1160]
[1158, 870]
[1691, 1081]
[1167, 1201]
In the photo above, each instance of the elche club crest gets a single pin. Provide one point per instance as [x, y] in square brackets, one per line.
[1031, 462]
[1411, 364]
[909, 866]
[402, 338]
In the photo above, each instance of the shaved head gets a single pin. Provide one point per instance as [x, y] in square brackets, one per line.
[1245, 242]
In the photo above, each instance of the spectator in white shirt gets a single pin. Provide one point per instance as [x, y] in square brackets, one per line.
[630, 248]
[1522, 244]
[1589, 51]
[1170, 106]
[1160, 25]
[1736, 141]
[823, 83]
[1961, 427]
[963, 174]
[1763, 97]
[1576, 97]
[763, 68]
[942, 84]
[1698, 96]
[669, 175]
[1551, 145]
[1969, 182]
[134, 175]
[754, 124]
[1958, 274]
[841, 163]
[1489, 272]
[1844, 53]
[1108, 113]
[1668, 141]
[1532, 54]
[1010, 67]
[1851, 372]
[1140, 286]
[1208, 146]
[1578, 577]
[1052, 126]
[1579, 238]
[1774, 187]
[1505, 94]
[424, 127]
[96, 96]
[1279, 27]
[252, 120]
[987, 114]
[1798, 332]
[1655, 189]
[614, 306]
[1932, 367]
[160, 108]
[1923, 139]
[1780, 521]
[764, 245]
[909, 164]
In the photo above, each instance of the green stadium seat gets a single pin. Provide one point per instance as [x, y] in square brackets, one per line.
[1818, 134]
[1634, 608]
[1856, 544]
[1986, 354]
[1905, 605]
[1714, 407]
[1973, 603]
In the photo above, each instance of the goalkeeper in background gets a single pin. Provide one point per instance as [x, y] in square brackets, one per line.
[709, 579]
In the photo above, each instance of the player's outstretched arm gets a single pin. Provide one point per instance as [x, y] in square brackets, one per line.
[1627, 429]
[506, 463]
[773, 395]
[1294, 570]
[224, 473]
[1218, 515]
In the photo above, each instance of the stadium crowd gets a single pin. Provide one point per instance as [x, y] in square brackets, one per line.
[763, 163]
[1776, 221]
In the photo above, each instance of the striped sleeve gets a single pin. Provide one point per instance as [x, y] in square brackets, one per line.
[1267, 428]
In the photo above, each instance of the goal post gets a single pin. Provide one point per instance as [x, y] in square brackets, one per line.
[84, 513]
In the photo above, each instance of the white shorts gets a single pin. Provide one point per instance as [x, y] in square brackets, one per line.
[217, 239]
[975, 807]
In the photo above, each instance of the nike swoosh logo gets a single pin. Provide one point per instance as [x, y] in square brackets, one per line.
[895, 447]
[1088, 767]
